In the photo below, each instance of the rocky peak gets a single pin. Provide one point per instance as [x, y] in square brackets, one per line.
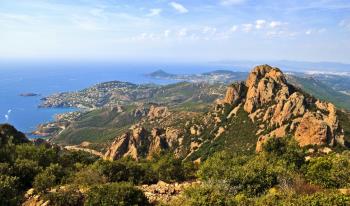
[283, 109]
[265, 85]
[264, 72]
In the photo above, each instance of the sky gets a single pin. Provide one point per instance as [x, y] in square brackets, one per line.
[176, 30]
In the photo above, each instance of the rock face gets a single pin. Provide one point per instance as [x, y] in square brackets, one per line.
[157, 112]
[235, 93]
[282, 109]
[139, 142]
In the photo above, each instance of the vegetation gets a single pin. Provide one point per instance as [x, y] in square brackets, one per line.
[277, 176]
[119, 194]
[282, 174]
[240, 136]
[61, 176]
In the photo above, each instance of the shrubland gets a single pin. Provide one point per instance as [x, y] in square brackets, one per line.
[281, 174]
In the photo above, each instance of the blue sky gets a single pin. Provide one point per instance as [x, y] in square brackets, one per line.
[179, 30]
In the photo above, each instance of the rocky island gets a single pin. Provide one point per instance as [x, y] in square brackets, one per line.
[29, 94]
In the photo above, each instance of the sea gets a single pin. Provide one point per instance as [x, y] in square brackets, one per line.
[49, 77]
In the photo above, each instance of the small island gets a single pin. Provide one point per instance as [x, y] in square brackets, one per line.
[29, 94]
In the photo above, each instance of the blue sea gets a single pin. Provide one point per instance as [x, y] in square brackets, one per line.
[50, 77]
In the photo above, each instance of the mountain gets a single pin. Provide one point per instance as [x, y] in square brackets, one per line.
[264, 106]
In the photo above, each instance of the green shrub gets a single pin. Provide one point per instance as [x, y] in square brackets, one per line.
[331, 171]
[5, 169]
[218, 166]
[323, 199]
[44, 156]
[285, 151]
[119, 194]
[9, 194]
[68, 196]
[252, 176]
[171, 169]
[207, 195]
[125, 171]
[26, 170]
[49, 178]
[87, 176]
[70, 158]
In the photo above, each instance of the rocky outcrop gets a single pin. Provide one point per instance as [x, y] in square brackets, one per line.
[281, 109]
[139, 142]
[129, 144]
[235, 93]
[313, 130]
[157, 112]
[163, 192]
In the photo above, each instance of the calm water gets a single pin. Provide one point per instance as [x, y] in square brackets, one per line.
[46, 78]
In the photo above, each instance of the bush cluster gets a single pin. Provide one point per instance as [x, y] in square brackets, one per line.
[279, 175]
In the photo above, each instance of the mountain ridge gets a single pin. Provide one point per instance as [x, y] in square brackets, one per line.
[274, 106]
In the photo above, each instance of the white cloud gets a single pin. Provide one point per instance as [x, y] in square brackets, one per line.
[233, 28]
[179, 7]
[154, 12]
[247, 27]
[182, 33]
[280, 33]
[96, 12]
[209, 30]
[315, 31]
[85, 23]
[19, 18]
[275, 24]
[260, 23]
[345, 24]
[231, 2]
[166, 33]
